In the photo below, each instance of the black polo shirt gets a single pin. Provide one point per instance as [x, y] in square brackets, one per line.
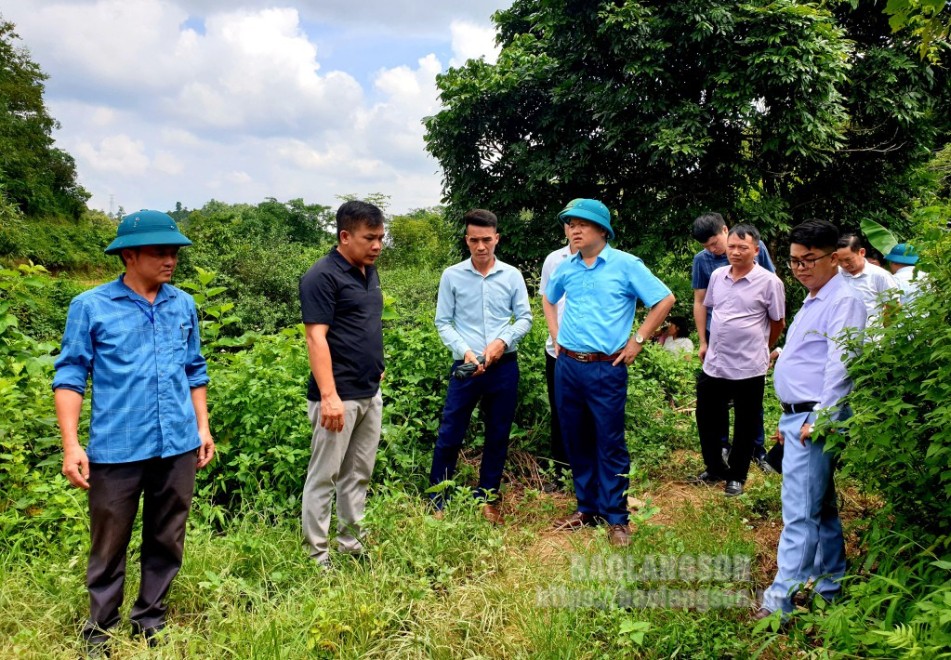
[335, 293]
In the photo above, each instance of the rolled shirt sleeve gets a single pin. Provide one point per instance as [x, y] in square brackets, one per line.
[196, 369]
[74, 363]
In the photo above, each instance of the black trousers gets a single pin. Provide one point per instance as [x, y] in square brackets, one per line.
[558, 453]
[166, 486]
[713, 420]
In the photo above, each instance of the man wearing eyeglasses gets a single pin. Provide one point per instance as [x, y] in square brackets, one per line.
[482, 313]
[811, 380]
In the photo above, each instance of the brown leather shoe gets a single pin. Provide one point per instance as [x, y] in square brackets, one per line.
[761, 614]
[493, 514]
[439, 514]
[575, 521]
[619, 535]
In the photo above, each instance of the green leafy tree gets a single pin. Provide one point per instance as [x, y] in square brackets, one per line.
[422, 238]
[769, 110]
[928, 20]
[36, 176]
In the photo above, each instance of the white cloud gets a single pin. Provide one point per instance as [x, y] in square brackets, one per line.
[117, 153]
[188, 100]
[168, 163]
[472, 41]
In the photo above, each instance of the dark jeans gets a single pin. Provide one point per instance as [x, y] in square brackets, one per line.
[166, 486]
[497, 390]
[558, 453]
[590, 397]
[713, 419]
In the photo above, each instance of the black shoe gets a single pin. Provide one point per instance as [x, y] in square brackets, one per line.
[151, 634]
[96, 643]
[733, 488]
[764, 465]
[709, 478]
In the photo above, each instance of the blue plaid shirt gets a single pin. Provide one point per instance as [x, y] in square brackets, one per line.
[144, 360]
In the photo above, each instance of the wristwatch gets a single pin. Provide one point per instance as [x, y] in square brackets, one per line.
[638, 338]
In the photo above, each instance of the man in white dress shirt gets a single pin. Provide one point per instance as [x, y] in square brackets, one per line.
[872, 283]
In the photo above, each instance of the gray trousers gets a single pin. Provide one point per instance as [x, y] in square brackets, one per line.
[340, 462]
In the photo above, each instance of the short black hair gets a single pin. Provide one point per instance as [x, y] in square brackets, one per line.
[707, 226]
[683, 328]
[851, 241]
[354, 213]
[481, 218]
[815, 234]
[744, 231]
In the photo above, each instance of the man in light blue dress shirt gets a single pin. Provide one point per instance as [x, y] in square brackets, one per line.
[811, 380]
[482, 313]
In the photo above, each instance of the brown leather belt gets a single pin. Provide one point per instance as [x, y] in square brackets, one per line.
[589, 357]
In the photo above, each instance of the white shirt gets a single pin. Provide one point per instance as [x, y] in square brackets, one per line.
[678, 345]
[870, 284]
[552, 261]
[909, 283]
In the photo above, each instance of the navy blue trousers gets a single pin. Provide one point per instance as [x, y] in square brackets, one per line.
[590, 397]
[497, 390]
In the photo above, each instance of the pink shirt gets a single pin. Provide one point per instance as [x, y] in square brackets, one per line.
[739, 331]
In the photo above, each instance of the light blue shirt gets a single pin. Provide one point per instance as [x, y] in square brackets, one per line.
[144, 359]
[602, 299]
[812, 365]
[473, 310]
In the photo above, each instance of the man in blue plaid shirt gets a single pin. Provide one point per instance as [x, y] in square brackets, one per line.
[137, 339]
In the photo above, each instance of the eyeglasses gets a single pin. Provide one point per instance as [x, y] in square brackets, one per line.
[808, 264]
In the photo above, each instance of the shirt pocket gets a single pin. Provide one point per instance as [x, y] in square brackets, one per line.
[176, 337]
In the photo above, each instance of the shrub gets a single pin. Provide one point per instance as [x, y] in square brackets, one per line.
[899, 439]
[35, 504]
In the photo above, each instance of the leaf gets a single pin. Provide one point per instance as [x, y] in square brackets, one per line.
[878, 236]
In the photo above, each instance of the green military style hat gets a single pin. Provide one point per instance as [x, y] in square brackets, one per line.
[146, 228]
[588, 209]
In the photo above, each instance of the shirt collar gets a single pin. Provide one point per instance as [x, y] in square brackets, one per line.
[120, 289]
[752, 275]
[827, 289]
[496, 267]
[606, 255]
[344, 265]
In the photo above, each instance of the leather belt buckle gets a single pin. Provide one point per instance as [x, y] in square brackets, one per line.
[583, 357]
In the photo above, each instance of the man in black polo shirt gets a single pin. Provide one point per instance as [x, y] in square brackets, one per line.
[342, 308]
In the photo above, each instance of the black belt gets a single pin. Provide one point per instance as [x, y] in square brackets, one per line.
[804, 407]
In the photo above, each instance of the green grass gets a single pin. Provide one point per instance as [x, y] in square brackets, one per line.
[427, 589]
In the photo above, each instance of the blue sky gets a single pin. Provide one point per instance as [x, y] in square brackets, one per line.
[165, 101]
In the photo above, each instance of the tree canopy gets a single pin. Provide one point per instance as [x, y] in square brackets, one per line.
[34, 175]
[766, 111]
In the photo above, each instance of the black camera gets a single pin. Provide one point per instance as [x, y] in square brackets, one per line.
[466, 369]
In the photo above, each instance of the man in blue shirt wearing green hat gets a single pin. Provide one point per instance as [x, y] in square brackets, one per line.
[594, 347]
[137, 339]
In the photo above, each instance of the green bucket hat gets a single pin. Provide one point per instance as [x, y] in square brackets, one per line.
[146, 228]
[588, 209]
[903, 253]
